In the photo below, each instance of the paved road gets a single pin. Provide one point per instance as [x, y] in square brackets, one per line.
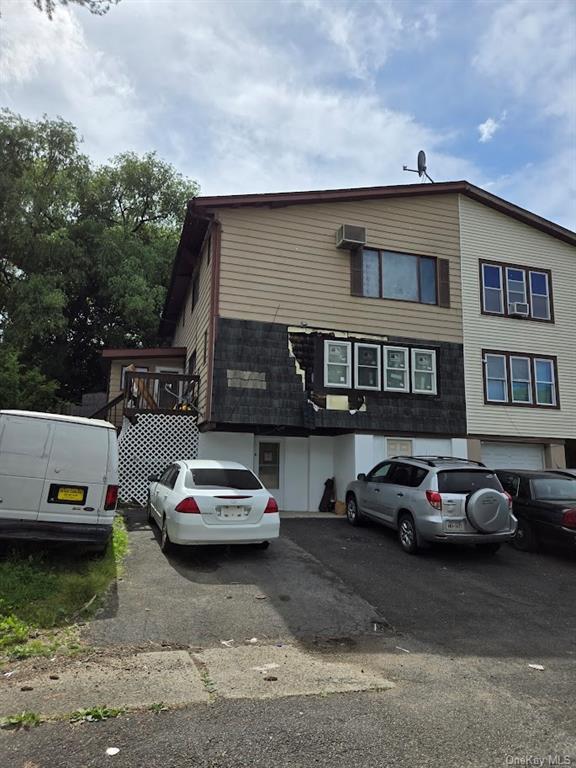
[464, 696]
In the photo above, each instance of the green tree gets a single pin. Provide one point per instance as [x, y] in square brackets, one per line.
[85, 251]
[97, 7]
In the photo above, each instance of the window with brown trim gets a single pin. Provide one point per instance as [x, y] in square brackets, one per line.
[383, 274]
[195, 291]
[520, 379]
[510, 290]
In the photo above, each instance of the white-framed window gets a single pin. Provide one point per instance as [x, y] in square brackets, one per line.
[493, 290]
[516, 286]
[367, 366]
[521, 379]
[424, 371]
[545, 380]
[396, 369]
[496, 378]
[338, 364]
[540, 295]
[398, 447]
[135, 369]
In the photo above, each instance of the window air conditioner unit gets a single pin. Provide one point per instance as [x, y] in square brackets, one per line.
[349, 236]
[521, 309]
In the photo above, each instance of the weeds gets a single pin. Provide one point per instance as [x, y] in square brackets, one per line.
[95, 714]
[158, 707]
[22, 720]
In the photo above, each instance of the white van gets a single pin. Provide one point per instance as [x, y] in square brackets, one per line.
[58, 477]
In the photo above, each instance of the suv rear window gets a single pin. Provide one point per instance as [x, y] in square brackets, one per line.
[239, 479]
[467, 481]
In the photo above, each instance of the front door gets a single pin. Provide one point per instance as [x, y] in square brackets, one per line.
[269, 467]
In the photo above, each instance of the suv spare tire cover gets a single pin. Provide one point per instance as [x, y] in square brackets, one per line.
[487, 510]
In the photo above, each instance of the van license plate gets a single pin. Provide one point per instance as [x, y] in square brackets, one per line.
[454, 525]
[70, 494]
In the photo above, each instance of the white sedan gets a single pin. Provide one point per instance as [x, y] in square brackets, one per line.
[211, 502]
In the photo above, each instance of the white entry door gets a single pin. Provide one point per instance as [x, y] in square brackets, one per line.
[269, 466]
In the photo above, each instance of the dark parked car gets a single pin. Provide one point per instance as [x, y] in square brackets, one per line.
[545, 505]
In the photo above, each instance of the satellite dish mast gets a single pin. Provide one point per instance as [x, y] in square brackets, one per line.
[421, 170]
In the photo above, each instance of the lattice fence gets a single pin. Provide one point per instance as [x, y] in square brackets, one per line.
[149, 445]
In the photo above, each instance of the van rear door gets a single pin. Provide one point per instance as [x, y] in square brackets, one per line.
[75, 484]
[24, 449]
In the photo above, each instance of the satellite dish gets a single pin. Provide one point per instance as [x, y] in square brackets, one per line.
[421, 163]
[421, 171]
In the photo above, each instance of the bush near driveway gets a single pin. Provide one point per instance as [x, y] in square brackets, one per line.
[43, 592]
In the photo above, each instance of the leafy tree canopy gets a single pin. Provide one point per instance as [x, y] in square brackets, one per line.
[97, 7]
[85, 251]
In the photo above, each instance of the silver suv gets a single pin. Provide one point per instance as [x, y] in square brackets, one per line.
[434, 499]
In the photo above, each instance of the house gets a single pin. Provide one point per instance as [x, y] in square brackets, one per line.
[328, 330]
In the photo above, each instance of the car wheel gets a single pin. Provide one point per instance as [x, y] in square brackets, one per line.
[525, 539]
[407, 535]
[165, 543]
[352, 512]
[488, 549]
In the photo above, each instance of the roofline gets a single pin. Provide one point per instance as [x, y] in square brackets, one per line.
[200, 205]
[148, 352]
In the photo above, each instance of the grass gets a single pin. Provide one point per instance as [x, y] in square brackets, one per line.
[158, 707]
[44, 592]
[94, 714]
[22, 720]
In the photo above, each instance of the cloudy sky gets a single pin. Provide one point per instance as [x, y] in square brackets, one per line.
[305, 94]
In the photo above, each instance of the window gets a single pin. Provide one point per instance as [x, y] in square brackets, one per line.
[540, 295]
[467, 481]
[544, 377]
[520, 379]
[380, 473]
[492, 287]
[400, 276]
[510, 483]
[516, 287]
[554, 488]
[192, 363]
[407, 475]
[237, 479]
[170, 476]
[424, 371]
[504, 285]
[131, 369]
[396, 369]
[205, 346]
[496, 379]
[337, 364]
[367, 372]
[398, 447]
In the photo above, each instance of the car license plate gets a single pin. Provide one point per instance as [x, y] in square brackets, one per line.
[454, 525]
[232, 513]
[70, 494]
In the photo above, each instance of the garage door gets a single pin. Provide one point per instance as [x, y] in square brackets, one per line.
[513, 456]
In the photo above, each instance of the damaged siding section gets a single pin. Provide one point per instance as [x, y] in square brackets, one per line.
[271, 375]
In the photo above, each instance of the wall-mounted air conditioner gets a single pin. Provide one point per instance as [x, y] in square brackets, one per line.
[519, 308]
[349, 236]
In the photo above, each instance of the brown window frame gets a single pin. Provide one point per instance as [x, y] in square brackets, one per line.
[509, 403]
[195, 291]
[527, 270]
[442, 297]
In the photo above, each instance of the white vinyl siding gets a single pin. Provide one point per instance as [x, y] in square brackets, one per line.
[489, 235]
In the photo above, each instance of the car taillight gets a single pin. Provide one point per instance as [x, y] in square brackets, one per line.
[509, 499]
[569, 518]
[434, 499]
[188, 506]
[272, 505]
[111, 497]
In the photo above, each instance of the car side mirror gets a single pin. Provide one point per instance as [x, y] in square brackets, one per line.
[153, 478]
[361, 476]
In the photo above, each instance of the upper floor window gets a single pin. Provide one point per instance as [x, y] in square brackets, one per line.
[520, 379]
[338, 364]
[424, 371]
[381, 274]
[367, 366]
[514, 291]
[195, 291]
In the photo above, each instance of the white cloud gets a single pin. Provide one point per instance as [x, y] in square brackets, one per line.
[487, 129]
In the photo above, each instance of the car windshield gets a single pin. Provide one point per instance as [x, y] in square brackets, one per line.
[239, 479]
[554, 488]
[467, 481]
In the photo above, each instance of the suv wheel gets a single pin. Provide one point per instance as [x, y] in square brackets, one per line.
[407, 534]
[525, 539]
[352, 512]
